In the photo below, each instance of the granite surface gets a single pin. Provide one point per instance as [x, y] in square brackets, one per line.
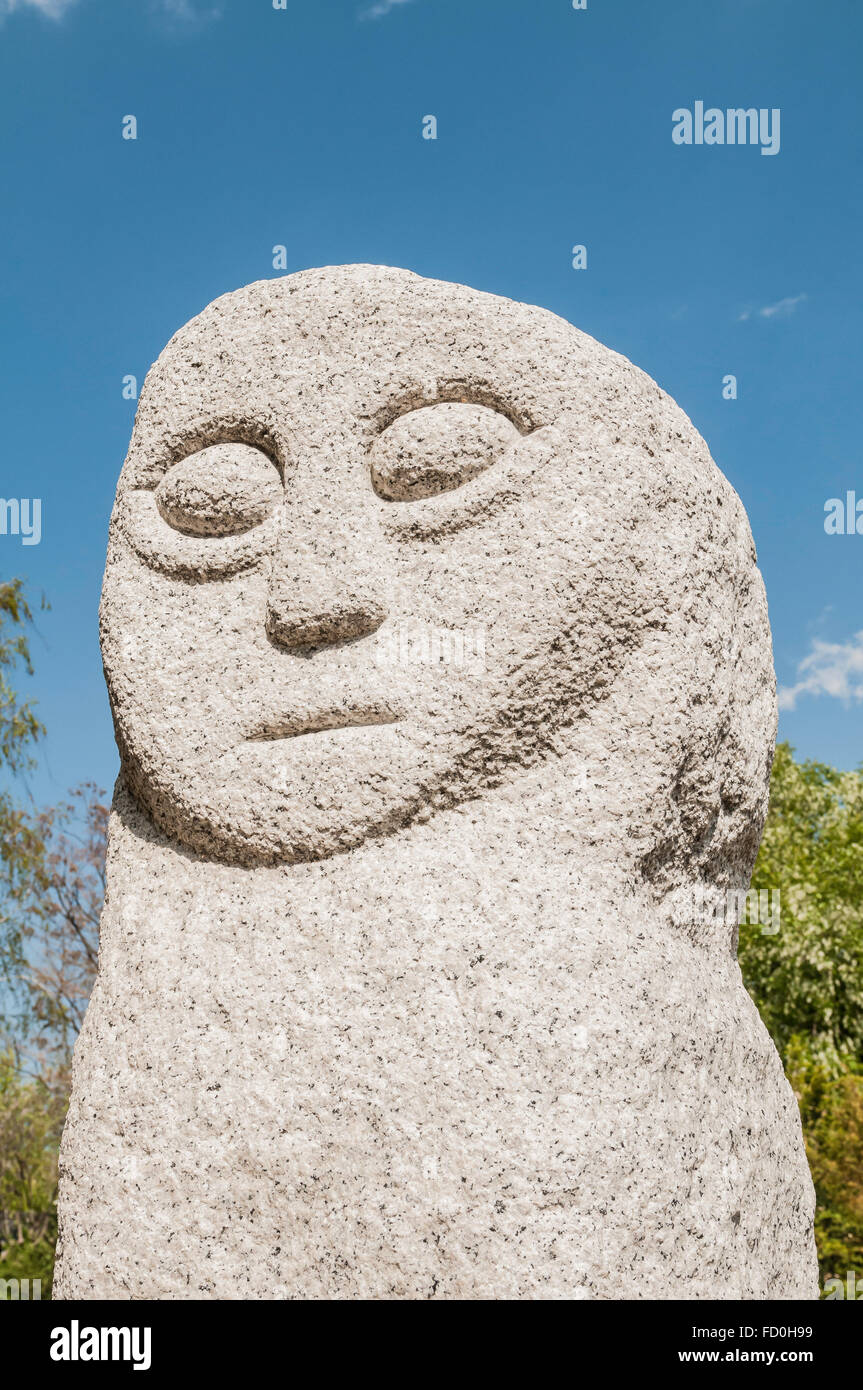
[442, 681]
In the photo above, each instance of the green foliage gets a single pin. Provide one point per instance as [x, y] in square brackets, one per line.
[831, 1109]
[31, 1111]
[19, 730]
[52, 893]
[48, 948]
[31, 1119]
[807, 981]
[19, 726]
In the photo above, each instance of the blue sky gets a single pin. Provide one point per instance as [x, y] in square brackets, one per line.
[302, 127]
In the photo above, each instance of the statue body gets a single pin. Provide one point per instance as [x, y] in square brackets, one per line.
[405, 990]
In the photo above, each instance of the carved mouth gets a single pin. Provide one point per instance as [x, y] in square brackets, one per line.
[292, 726]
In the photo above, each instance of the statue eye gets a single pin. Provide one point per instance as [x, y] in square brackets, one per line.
[219, 491]
[437, 448]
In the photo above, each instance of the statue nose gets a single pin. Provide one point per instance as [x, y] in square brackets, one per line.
[322, 590]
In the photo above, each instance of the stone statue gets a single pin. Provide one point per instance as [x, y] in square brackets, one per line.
[441, 675]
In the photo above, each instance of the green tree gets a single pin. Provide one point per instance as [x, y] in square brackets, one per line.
[29, 1112]
[807, 981]
[31, 1118]
[52, 905]
[19, 727]
[52, 902]
[19, 730]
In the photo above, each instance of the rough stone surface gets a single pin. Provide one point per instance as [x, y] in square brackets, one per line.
[434, 743]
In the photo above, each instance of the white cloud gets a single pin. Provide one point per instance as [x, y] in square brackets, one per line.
[831, 668]
[382, 8]
[54, 9]
[184, 11]
[781, 310]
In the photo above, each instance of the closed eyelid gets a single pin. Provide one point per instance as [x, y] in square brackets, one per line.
[480, 498]
[218, 491]
[192, 557]
[437, 448]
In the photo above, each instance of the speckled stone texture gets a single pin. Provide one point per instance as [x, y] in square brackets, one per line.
[441, 675]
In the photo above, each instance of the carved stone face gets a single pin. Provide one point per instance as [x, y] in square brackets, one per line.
[378, 543]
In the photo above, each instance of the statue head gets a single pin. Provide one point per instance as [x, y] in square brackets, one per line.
[381, 543]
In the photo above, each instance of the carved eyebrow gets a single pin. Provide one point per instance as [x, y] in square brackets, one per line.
[454, 393]
[145, 467]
